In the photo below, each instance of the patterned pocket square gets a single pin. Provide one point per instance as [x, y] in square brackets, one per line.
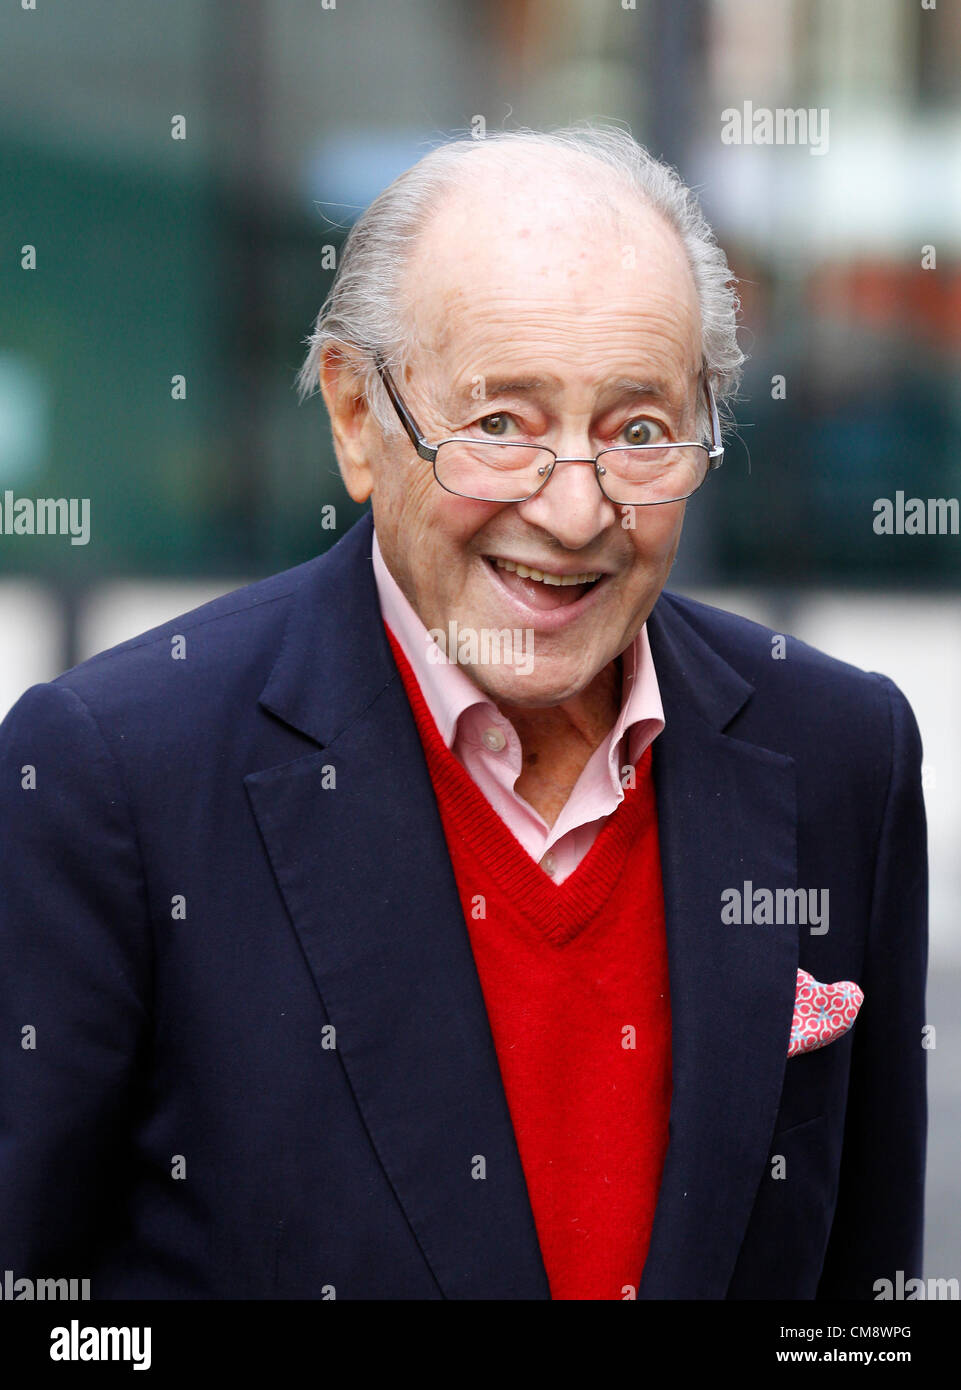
[822, 1013]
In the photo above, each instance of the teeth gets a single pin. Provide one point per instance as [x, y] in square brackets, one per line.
[525, 572]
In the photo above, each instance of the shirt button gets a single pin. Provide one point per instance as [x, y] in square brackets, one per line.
[549, 863]
[494, 740]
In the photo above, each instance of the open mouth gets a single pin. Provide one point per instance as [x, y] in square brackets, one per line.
[541, 589]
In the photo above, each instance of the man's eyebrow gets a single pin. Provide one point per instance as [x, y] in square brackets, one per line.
[617, 388]
[650, 389]
[499, 386]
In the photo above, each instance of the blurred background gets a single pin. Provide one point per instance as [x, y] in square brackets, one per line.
[206, 259]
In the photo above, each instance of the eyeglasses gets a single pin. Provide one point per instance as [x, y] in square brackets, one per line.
[491, 470]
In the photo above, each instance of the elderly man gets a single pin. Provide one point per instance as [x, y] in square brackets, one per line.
[459, 915]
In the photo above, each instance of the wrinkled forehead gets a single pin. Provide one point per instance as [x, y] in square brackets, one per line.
[513, 255]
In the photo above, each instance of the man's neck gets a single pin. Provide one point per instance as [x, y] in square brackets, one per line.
[557, 741]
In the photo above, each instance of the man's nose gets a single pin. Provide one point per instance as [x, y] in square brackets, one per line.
[571, 504]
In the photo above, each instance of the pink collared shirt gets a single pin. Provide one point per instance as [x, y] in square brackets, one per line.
[487, 745]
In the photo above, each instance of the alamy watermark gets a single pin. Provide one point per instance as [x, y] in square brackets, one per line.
[485, 646]
[784, 125]
[46, 516]
[916, 516]
[76, 1343]
[776, 907]
[14, 1289]
[910, 1290]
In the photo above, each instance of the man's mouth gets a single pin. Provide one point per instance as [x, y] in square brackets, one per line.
[544, 589]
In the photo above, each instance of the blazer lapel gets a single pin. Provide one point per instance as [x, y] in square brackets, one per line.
[362, 864]
[726, 815]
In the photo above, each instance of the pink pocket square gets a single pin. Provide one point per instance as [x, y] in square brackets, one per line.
[822, 1013]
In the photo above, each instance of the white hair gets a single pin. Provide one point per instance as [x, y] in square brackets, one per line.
[365, 306]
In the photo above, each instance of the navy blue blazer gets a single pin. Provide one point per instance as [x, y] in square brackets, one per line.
[243, 1047]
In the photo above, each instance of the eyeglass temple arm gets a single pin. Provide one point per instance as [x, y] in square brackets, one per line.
[414, 433]
[716, 452]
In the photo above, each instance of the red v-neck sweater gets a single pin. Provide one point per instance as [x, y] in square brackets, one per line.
[575, 981]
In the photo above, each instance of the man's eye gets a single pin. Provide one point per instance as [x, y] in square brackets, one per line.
[495, 424]
[643, 431]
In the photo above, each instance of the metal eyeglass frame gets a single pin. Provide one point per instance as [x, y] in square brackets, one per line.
[428, 452]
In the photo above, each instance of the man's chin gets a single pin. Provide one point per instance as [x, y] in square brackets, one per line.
[526, 689]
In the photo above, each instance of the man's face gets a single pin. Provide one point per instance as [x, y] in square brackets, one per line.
[565, 302]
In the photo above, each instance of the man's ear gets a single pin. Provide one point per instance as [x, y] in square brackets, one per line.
[355, 431]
